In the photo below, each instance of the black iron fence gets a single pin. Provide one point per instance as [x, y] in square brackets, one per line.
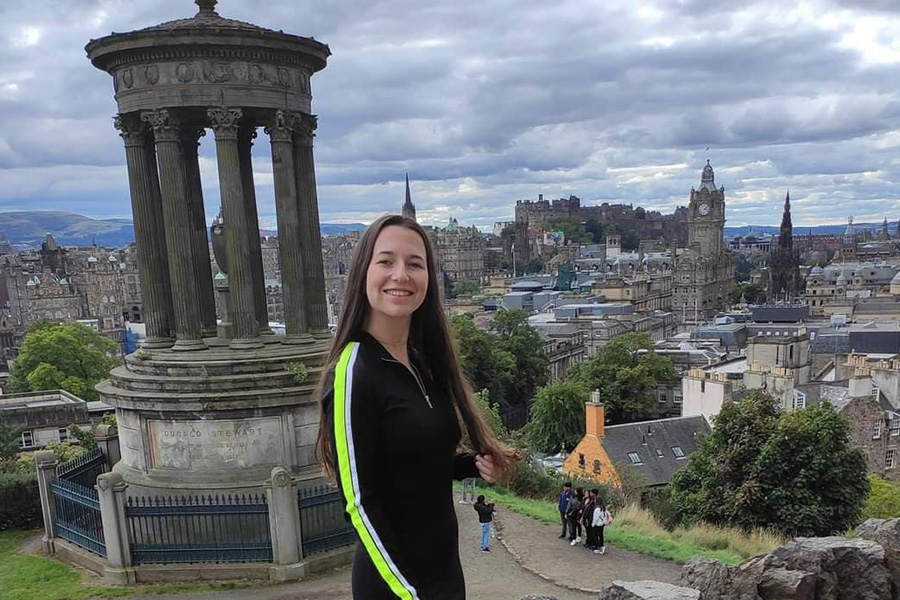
[199, 529]
[322, 522]
[84, 469]
[77, 515]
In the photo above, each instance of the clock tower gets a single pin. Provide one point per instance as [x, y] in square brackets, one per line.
[703, 271]
[706, 215]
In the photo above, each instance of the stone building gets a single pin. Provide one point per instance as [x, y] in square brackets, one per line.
[459, 251]
[703, 271]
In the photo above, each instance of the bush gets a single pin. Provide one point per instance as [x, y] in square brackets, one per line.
[20, 502]
[527, 482]
[883, 501]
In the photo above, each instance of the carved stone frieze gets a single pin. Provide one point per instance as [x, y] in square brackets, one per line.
[212, 71]
[151, 74]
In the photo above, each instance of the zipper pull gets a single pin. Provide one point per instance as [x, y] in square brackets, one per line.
[428, 401]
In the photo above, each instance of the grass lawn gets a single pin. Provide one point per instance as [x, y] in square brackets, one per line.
[662, 545]
[24, 577]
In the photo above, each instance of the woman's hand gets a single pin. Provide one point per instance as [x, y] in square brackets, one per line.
[486, 467]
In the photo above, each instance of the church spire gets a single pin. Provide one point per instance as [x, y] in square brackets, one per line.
[785, 237]
[409, 209]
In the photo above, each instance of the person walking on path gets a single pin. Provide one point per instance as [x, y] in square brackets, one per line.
[587, 516]
[563, 507]
[601, 519]
[573, 512]
[485, 516]
[393, 400]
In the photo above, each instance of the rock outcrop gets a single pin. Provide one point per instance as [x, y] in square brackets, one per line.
[887, 534]
[646, 590]
[831, 568]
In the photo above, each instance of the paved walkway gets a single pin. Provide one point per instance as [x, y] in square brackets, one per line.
[527, 558]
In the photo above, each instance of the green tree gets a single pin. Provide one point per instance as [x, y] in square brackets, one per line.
[753, 293]
[575, 231]
[625, 371]
[557, 416]
[484, 362]
[535, 265]
[69, 356]
[9, 440]
[797, 473]
[468, 287]
[491, 411]
[596, 229]
[522, 341]
[85, 437]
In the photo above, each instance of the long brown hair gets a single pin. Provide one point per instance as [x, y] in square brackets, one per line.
[429, 339]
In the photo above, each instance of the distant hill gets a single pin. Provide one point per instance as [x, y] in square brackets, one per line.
[799, 230]
[27, 229]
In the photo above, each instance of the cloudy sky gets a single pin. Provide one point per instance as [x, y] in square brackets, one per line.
[487, 101]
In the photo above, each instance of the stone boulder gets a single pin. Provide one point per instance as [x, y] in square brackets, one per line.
[717, 581]
[887, 534]
[831, 568]
[646, 590]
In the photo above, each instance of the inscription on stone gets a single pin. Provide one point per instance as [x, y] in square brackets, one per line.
[215, 445]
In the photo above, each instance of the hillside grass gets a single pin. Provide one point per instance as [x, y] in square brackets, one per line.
[27, 577]
[636, 529]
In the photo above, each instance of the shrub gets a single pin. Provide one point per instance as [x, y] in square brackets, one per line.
[20, 503]
[883, 501]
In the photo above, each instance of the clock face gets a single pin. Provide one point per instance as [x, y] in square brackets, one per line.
[703, 209]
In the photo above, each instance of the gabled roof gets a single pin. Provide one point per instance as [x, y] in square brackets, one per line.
[646, 437]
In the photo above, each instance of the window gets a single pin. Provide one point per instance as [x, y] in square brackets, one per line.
[596, 465]
[27, 440]
[63, 434]
[635, 458]
[677, 398]
[799, 400]
[889, 459]
[677, 451]
[580, 460]
[895, 427]
[663, 397]
[659, 453]
[876, 430]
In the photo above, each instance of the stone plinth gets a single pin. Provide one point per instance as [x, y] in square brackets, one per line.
[214, 420]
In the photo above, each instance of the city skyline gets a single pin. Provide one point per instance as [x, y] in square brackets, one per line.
[484, 104]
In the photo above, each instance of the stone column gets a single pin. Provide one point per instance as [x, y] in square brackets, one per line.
[246, 135]
[284, 522]
[172, 179]
[111, 491]
[280, 131]
[149, 231]
[240, 277]
[45, 461]
[311, 237]
[107, 437]
[199, 241]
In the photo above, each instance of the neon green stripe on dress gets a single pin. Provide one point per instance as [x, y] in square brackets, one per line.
[343, 441]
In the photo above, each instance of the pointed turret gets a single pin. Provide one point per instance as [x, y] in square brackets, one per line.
[885, 233]
[786, 235]
[785, 262]
[409, 209]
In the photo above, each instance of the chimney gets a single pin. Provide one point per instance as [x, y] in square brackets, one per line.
[860, 383]
[594, 415]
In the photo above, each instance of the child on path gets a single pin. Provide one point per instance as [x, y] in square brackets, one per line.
[485, 516]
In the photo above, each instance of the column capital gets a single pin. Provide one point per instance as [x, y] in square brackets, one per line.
[281, 127]
[305, 128]
[166, 127]
[225, 122]
[131, 129]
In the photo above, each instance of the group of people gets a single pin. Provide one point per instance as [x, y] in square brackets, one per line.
[586, 513]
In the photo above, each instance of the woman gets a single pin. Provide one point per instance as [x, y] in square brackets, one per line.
[394, 402]
[485, 512]
[600, 520]
[576, 505]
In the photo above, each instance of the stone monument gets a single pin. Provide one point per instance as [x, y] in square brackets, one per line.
[201, 407]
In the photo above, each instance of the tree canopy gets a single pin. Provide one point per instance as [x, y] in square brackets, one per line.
[508, 360]
[67, 356]
[796, 472]
[625, 370]
[557, 416]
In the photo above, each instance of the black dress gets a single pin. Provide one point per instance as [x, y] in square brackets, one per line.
[395, 444]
